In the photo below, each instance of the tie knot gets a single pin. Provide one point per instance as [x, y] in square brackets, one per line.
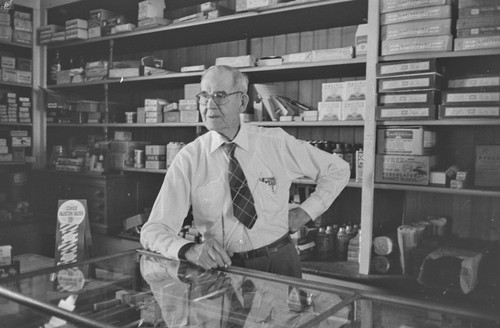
[229, 147]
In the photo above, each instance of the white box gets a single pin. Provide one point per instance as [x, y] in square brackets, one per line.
[299, 57]
[404, 169]
[189, 116]
[238, 61]
[353, 110]
[411, 140]
[361, 40]
[156, 150]
[5, 255]
[333, 91]
[329, 110]
[332, 54]
[8, 62]
[487, 166]
[355, 90]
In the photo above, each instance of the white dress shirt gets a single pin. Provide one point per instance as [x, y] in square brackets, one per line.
[270, 158]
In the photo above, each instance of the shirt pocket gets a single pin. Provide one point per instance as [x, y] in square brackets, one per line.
[270, 193]
[211, 199]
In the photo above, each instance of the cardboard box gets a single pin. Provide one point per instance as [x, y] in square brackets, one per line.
[156, 150]
[353, 110]
[411, 140]
[471, 111]
[416, 29]
[487, 166]
[418, 44]
[403, 169]
[189, 116]
[396, 5]
[5, 255]
[333, 91]
[483, 42]
[244, 5]
[238, 61]
[422, 13]
[329, 110]
[409, 98]
[465, 97]
[406, 113]
[429, 81]
[361, 40]
[332, 54]
[408, 67]
[171, 117]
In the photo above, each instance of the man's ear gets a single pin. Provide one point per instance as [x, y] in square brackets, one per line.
[244, 102]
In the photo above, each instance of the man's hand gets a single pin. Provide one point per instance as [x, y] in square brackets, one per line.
[209, 255]
[297, 217]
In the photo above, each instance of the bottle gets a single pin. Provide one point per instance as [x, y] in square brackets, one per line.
[339, 150]
[342, 243]
[55, 67]
[349, 154]
[321, 244]
[330, 241]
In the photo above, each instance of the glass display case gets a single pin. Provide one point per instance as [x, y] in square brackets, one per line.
[143, 289]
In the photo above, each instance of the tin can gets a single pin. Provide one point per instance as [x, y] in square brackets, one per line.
[138, 158]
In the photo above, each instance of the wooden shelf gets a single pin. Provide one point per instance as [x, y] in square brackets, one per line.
[279, 72]
[310, 124]
[12, 163]
[124, 125]
[447, 122]
[15, 124]
[440, 190]
[449, 54]
[258, 23]
[351, 184]
[15, 84]
[16, 44]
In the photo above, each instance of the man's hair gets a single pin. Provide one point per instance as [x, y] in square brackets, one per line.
[240, 80]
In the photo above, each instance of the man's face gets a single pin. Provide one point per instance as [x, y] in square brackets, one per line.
[223, 118]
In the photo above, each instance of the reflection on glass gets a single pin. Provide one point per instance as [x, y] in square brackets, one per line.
[192, 297]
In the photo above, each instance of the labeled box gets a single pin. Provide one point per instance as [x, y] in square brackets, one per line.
[329, 110]
[409, 98]
[404, 169]
[404, 67]
[384, 113]
[465, 97]
[483, 82]
[416, 29]
[417, 44]
[487, 167]
[431, 81]
[156, 150]
[353, 110]
[471, 111]
[412, 140]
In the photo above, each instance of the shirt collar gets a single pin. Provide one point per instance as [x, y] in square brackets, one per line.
[241, 139]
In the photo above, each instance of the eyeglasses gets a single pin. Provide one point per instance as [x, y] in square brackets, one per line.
[219, 97]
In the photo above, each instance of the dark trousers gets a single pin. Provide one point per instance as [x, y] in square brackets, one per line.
[284, 261]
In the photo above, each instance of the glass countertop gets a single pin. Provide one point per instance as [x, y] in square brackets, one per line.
[143, 289]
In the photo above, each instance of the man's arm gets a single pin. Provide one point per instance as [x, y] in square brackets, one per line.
[330, 172]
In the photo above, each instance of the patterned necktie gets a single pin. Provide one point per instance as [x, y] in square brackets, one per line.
[243, 204]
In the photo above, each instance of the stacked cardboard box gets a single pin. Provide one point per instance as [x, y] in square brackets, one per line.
[76, 29]
[409, 90]
[472, 96]
[410, 26]
[404, 155]
[14, 69]
[156, 157]
[23, 27]
[100, 22]
[342, 101]
[5, 25]
[478, 25]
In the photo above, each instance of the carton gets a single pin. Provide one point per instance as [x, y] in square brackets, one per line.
[403, 169]
[412, 140]
[487, 166]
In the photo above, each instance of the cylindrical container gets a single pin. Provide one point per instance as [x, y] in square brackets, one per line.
[382, 264]
[330, 241]
[383, 245]
[130, 117]
[18, 186]
[342, 244]
[138, 158]
[321, 244]
[172, 149]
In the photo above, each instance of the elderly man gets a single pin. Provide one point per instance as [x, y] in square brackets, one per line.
[237, 178]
